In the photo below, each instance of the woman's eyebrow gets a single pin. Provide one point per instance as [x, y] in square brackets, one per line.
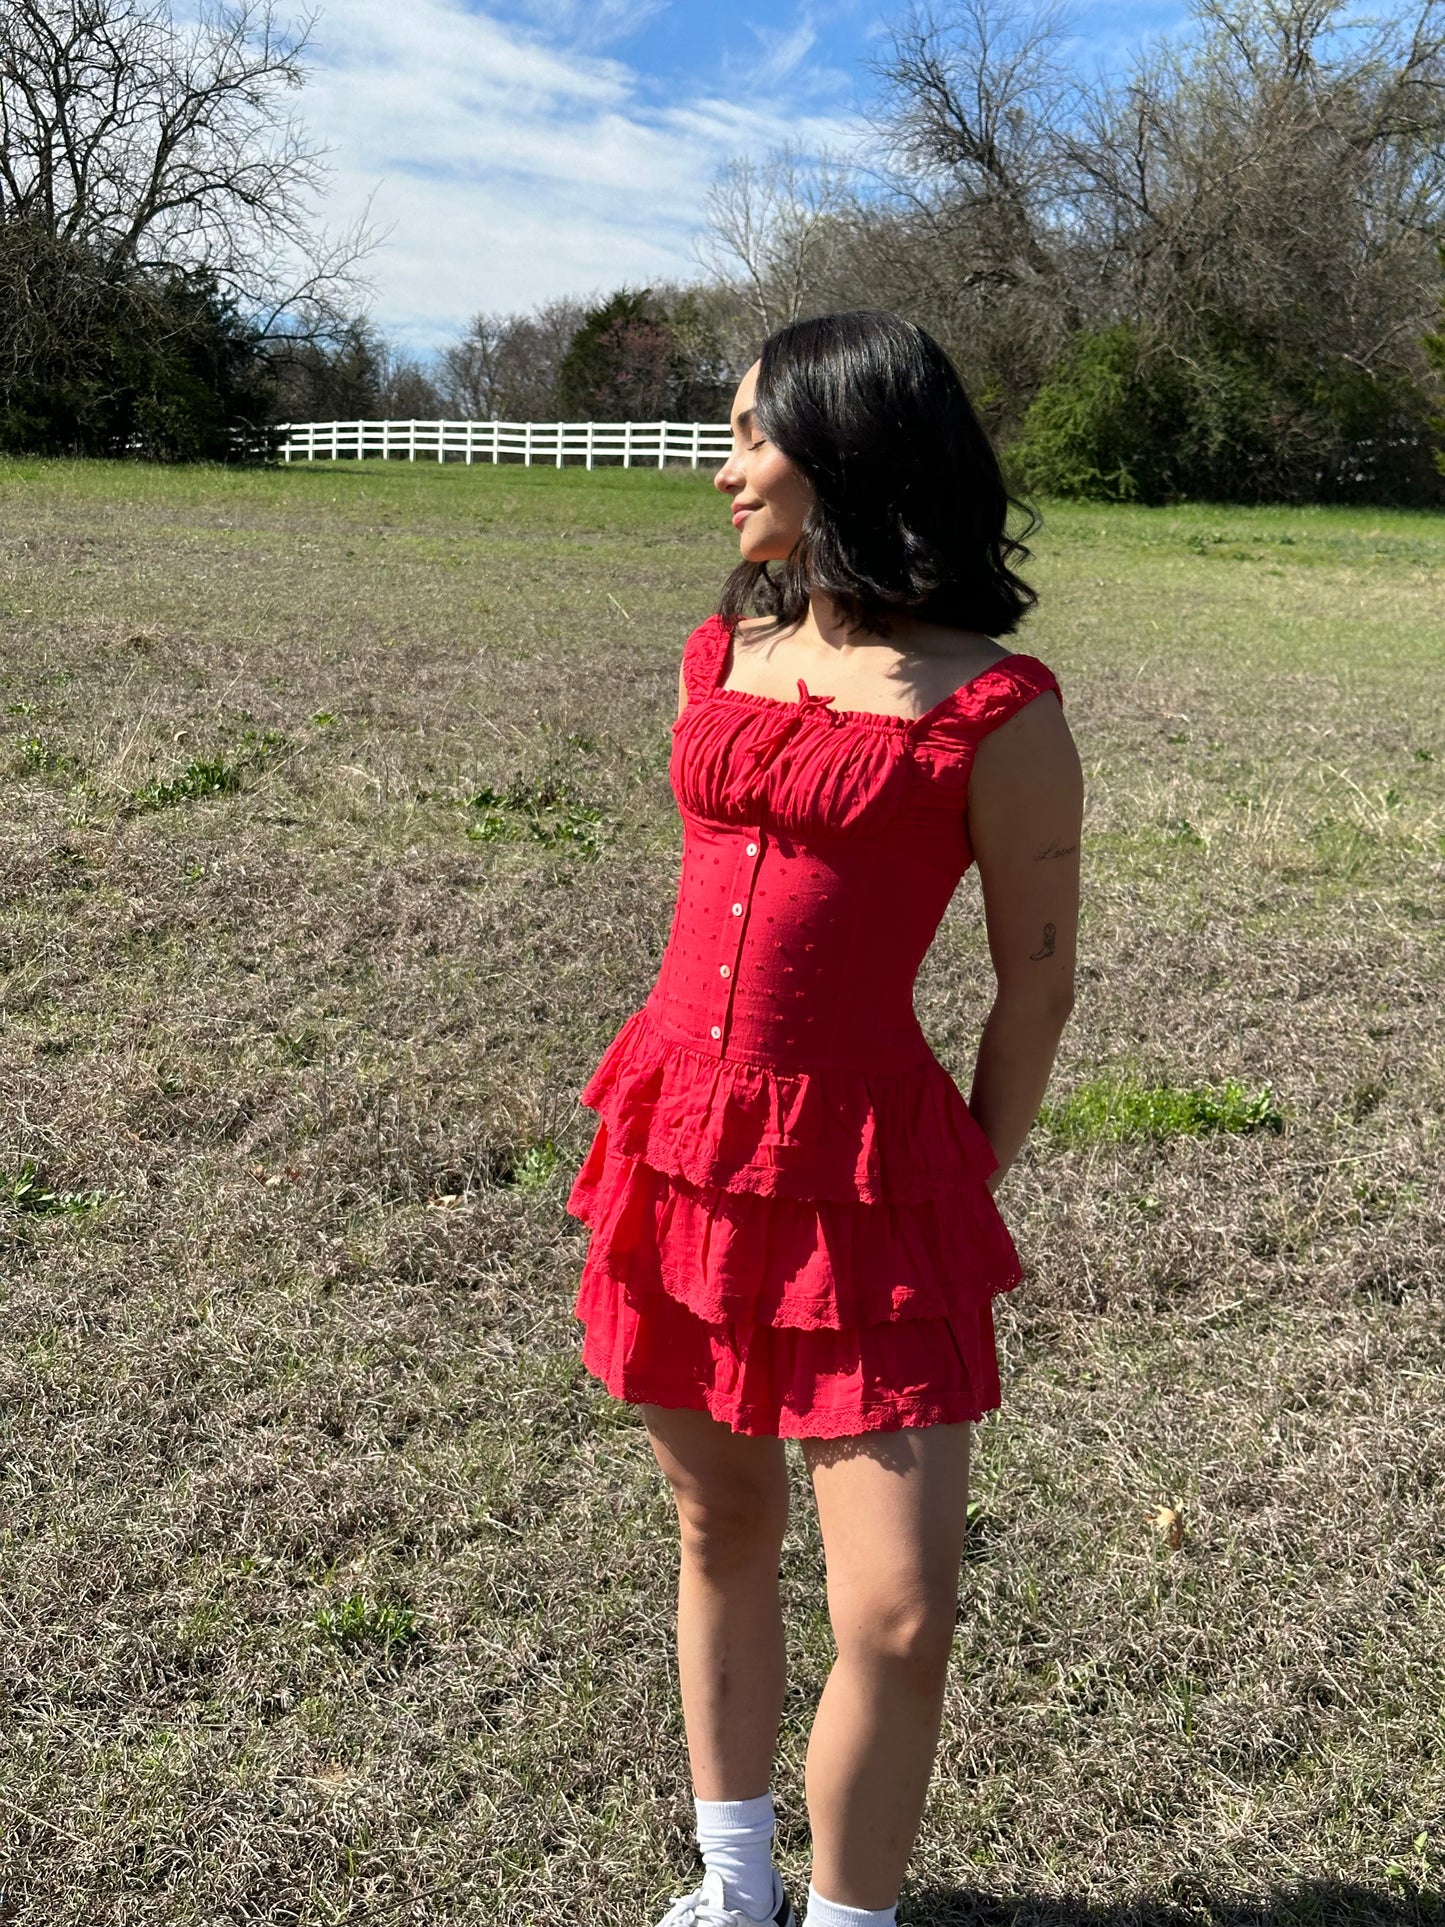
[745, 422]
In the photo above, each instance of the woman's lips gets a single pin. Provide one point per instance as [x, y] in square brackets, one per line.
[740, 516]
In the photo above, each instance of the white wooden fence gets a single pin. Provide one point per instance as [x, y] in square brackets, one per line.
[635, 444]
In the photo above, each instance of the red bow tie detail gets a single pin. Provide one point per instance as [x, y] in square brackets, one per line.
[804, 698]
[788, 720]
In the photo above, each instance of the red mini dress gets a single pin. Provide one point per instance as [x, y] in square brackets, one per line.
[790, 1227]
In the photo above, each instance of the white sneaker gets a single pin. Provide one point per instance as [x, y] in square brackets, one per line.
[704, 1908]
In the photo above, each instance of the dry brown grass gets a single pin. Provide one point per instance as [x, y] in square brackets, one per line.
[332, 1588]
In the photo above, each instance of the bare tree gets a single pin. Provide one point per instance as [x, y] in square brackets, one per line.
[1285, 156]
[1284, 171]
[157, 145]
[774, 230]
[969, 122]
[1258, 196]
[471, 368]
[948, 218]
[506, 365]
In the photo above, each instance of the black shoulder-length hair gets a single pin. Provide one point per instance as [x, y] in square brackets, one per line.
[910, 504]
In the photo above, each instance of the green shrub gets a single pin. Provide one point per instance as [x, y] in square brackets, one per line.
[1229, 417]
[1098, 428]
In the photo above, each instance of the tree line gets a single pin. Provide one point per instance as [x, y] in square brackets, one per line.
[1219, 273]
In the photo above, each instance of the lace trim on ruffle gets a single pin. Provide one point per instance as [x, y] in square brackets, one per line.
[784, 1383]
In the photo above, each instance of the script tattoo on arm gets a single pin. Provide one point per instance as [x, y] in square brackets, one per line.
[1057, 849]
[1048, 949]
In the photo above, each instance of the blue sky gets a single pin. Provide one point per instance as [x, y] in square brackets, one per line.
[534, 148]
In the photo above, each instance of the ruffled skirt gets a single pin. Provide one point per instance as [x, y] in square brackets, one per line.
[805, 1255]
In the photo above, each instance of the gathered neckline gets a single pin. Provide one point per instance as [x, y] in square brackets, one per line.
[878, 717]
[866, 715]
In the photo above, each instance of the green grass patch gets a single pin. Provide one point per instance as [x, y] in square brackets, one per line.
[1114, 1108]
[545, 812]
[36, 757]
[213, 776]
[196, 780]
[534, 1165]
[28, 1191]
[361, 1622]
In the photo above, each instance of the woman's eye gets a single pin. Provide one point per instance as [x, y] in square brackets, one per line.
[757, 444]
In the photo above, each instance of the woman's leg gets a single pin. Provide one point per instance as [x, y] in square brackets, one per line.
[732, 1509]
[893, 1507]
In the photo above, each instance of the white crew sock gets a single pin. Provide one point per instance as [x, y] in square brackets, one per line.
[829, 1913]
[735, 1837]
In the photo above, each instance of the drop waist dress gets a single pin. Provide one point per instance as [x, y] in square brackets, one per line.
[789, 1222]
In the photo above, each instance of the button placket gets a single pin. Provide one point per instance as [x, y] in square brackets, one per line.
[737, 912]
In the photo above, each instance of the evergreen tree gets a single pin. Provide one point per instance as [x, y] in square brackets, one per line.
[633, 359]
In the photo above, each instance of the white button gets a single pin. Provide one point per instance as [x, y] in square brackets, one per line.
[737, 909]
[723, 971]
[752, 849]
[717, 1030]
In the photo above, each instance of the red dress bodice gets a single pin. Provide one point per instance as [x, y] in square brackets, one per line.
[820, 850]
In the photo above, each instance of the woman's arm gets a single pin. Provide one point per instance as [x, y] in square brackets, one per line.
[1025, 820]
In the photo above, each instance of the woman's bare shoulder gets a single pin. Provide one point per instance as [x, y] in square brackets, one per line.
[959, 652]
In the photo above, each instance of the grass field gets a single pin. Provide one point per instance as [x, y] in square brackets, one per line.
[337, 842]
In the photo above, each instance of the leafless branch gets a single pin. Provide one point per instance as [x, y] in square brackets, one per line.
[773, 227]
[159, 144]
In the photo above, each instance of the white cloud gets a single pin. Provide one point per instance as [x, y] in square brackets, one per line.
[510, 170]
[784, 51]
[594, 23]
[780, 58]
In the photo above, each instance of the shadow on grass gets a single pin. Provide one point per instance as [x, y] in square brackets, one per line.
[1314, 1903]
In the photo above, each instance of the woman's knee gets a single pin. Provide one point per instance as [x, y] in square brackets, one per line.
[907, 1628]
[726, 1529]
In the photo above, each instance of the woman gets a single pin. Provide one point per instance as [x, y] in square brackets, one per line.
[791, 1205]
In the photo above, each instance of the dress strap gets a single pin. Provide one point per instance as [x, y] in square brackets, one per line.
[1003, 690]
[1036, 678]
[703, 657]
[944, 741]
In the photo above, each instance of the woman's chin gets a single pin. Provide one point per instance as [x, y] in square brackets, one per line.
[759, 551]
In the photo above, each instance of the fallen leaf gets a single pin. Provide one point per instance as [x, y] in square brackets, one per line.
[1170, 1526]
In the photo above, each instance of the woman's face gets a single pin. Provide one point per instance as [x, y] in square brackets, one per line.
[770, 496]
